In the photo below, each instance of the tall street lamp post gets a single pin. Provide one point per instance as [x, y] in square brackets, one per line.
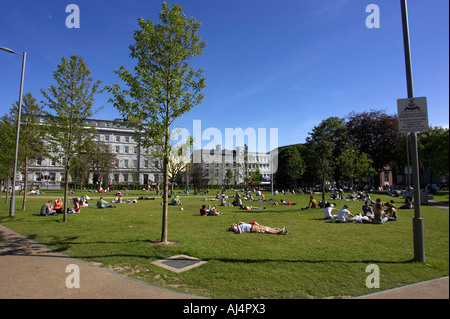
[418, 229]
[19, 112]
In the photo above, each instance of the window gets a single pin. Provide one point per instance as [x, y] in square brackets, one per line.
[127, 139]
[117, 149]
[126, 150]
[106, 138]
[125, 163]
[117, 138]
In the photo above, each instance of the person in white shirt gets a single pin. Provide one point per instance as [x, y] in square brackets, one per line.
[254, 227]
[328, 210]
[342, 215]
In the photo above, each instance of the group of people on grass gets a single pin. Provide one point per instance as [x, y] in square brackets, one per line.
[55, 207]
[372, 213]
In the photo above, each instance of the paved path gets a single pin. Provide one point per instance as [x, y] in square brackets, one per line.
[29, 270]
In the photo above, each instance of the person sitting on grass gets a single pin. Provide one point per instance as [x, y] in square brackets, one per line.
[223, 202]
[367, 209]
[58, 206]
[47, 209]
[342, 215]
[104, 204]
[250, 207]
[407, 205]
[209, 212]
[312, 203]
[328, 209]
[391, 212]
[254, 227]
[379, 214]
[77, 207]
[176, 201]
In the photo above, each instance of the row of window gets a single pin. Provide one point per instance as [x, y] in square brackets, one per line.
[125, 163]
[114, 138]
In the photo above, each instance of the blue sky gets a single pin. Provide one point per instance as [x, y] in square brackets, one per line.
[286, 64]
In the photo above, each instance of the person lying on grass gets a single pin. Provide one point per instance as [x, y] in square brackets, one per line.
[209, 212]
[254, 227]
[283, 202]
[250, 207]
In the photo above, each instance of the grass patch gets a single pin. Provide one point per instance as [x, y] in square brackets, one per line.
[318, 259]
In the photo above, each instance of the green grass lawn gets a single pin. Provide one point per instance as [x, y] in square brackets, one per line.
[319, 259]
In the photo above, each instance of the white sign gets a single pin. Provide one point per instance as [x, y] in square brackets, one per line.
[412, 115]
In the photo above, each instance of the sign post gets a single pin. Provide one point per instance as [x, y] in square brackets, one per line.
[412, 119]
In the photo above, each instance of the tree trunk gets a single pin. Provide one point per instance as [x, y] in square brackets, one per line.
[24, 203]
[7, 189]
[66, 189]
[166, 188]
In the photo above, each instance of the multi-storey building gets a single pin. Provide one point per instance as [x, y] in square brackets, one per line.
[133, 164]
[216, 165]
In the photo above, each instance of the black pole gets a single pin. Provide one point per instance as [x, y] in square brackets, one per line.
[418, 232]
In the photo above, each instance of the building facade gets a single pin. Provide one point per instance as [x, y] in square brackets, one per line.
[228, 166]
[133, 164]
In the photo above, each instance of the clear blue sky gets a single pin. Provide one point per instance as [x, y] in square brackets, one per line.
[286, 64]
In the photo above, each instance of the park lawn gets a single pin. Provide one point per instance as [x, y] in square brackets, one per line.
[318, 259]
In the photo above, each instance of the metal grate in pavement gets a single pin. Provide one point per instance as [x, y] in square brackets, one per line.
[179, 263]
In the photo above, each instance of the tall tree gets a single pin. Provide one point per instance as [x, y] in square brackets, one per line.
[72, 101]
[376, 134]
[32, 135]
[291, 166]
[164, 86]
[322, 162]
[7, 143]
[434, 150]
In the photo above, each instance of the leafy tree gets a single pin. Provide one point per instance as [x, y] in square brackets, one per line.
[72, 100]
[322, 162]
[433, 148]
[164, 86]
[332, 130]
[229, 176]
[376, 134]
[7, 143]
[32, 136]
[352, 164]
[291, 166]
[256, 176]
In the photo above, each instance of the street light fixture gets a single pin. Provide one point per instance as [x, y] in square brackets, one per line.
[19, 112]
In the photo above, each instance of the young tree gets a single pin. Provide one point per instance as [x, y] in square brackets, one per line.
[322, 163]
[72, 101]
[7, 143]
[164, 86]
[32, 135]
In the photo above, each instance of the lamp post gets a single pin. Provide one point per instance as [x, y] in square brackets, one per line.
[19, 112]
[418, 229]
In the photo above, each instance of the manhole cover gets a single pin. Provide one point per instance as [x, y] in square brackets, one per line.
[179, 263]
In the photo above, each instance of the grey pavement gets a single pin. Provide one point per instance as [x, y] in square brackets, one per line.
[28, 270]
